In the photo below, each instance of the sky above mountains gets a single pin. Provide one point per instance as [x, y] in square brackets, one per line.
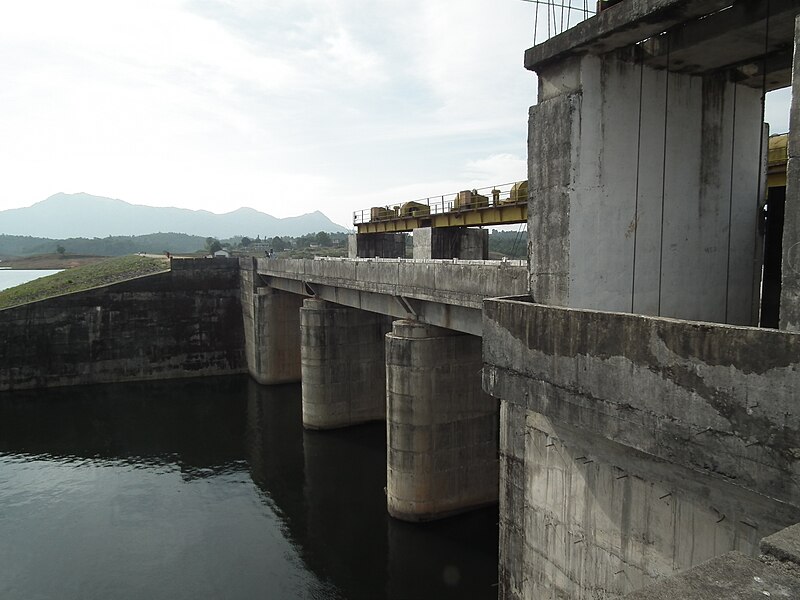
[285, 106]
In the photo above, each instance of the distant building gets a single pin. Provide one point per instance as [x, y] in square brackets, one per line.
[222, 254]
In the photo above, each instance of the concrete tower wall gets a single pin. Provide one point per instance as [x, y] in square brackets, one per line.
[598, 172]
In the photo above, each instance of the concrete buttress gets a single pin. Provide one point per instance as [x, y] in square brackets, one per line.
[442, 429]
[343, 365]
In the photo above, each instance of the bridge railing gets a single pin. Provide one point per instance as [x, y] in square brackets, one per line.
[552, 17]
[503, 194]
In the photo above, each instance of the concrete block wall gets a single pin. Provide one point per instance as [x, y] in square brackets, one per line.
[622, 219]
[183, 323]
[343, 365]
[442, 430]
[635, 447]
[271, 329]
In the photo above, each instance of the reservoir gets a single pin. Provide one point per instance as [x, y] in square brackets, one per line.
[211, 488]
[12, 277]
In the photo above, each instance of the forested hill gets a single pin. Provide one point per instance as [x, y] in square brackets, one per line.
[156, 243]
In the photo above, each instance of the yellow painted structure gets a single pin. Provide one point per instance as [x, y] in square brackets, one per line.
[776, 160]
[463, 209]
[469, 208]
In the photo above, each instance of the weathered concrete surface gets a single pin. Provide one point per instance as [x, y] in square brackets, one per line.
[343, 365]
[376, 245]
[697, 36]
[183, 323]
[784, 546]
[584, 517]
[635, 447]
[716, 398]
[467, 243]
[790, 265]
[441, 428]
[617, 224]
[271, 329]
[732, 576]
[628, 23]
[442, 293]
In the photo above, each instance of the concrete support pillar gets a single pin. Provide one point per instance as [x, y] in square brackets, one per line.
[343, 365]
[622, 218]
[790, 264]
[376, 245]
[466, 243]
[271, 330]
[442, 429]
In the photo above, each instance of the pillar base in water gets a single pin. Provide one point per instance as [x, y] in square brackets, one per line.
[442, 429]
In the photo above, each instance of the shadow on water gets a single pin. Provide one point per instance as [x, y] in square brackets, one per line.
[324, 489]
[196, 425]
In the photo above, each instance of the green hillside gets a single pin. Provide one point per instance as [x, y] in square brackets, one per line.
[82, 278]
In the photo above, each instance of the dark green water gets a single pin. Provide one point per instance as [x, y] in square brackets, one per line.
[212, 489]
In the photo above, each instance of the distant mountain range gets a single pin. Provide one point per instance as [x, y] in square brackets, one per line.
[83, 215]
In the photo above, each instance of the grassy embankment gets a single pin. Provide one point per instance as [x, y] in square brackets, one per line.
[83, 278]
[51, 261]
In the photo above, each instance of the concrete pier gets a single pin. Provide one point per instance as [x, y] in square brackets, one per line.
[376, 245]
[466, 243]
[442, 429]
[271, 330]
[343, 365]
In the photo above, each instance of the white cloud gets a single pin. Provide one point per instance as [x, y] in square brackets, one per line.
[287, 105]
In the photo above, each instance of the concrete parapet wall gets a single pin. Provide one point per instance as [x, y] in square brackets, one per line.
[716, 398]
[343, 365]
[182, 323]
[635, 447]
[442, 430]
[464, 283]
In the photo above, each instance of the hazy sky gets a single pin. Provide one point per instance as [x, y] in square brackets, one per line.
[287, 106]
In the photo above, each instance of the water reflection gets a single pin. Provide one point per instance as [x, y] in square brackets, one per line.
[211, 488]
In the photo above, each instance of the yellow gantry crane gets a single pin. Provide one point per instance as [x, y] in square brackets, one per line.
[497, 205]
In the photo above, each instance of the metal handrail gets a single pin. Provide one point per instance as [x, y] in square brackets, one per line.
[437, 205]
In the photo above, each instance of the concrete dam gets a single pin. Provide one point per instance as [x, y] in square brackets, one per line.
[617, 393]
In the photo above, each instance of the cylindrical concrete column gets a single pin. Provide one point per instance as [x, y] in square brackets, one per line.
[343, 365]
[442, 429]
[272, 333]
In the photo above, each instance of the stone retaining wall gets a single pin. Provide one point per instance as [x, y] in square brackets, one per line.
[185, 322]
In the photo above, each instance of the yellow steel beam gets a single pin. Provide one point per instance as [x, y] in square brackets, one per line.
[506, 213]
[502, 214]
